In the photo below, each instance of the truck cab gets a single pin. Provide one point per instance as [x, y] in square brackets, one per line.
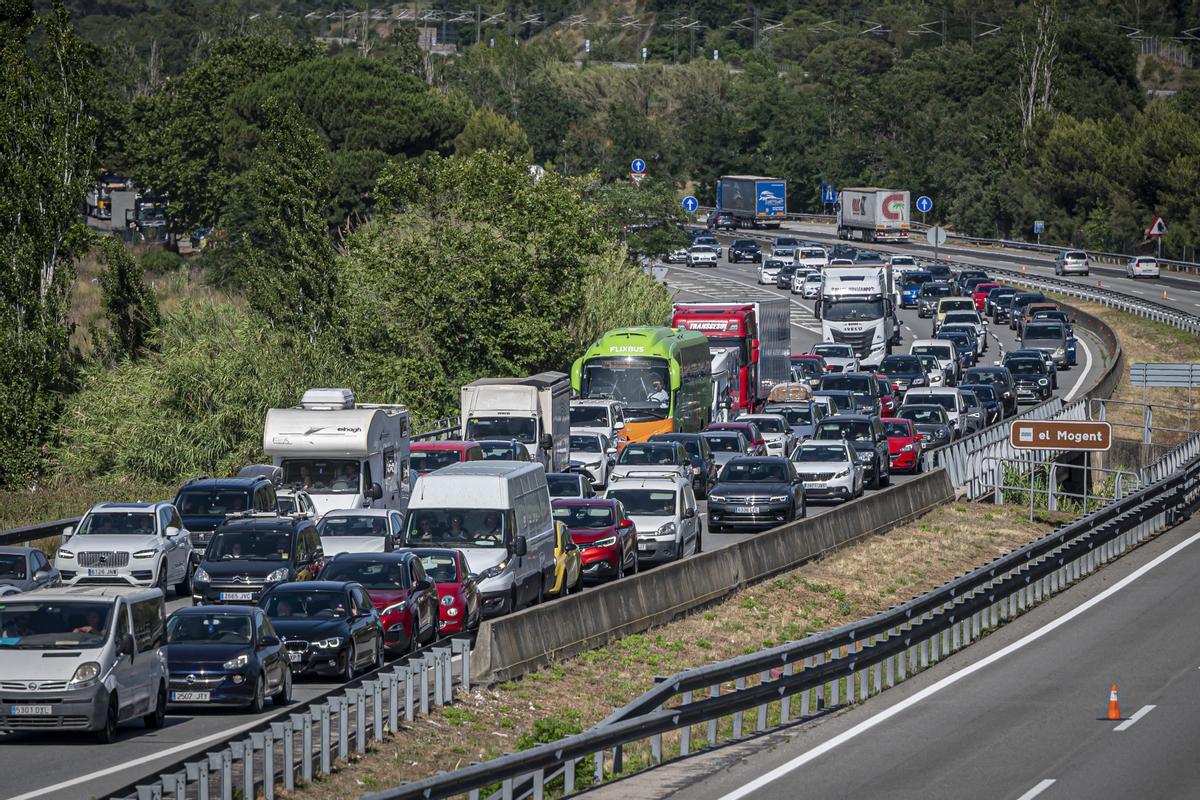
[856, 309]
[534, 411]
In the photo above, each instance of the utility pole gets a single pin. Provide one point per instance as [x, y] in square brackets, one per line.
[756, 28]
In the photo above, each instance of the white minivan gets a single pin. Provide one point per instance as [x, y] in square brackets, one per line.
[498, 514]
[82, 659]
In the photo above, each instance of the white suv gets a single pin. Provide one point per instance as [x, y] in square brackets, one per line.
[665, 513]
[131, 544]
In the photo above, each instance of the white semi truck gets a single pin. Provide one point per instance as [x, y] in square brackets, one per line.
[857, 308]
[536, 411]
[873, 215]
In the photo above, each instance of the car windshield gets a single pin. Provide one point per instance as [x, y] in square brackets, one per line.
[935, 290]
[372, 573]
[212, 502]
[807, 367]
[946, 401]
[704, 249]
[962, 318]
[584, 516]
[929, 415]
[842, 401]
[834, 350]
[352, 525]
[12, 567]
[250, 544]
[645, 502]
[897, 429]
[851, 430]
[585, 444]
[956, 305]
[819, 452]
[310, 603]
[428, 460]
[563, 485]
[986, 377]
[812, 253]
[1057, 316]
[958, 337]
[933, 350]
[324, 475]
[896, 365]
[214, 628]
[33, 625]
[915, 279]
[754, 472]
[641, 383]
[589, 416]
[690, 444]
[740, 243]
[795, 415]
[847, 310]
[500, 451]
[1043, 331]
[847, 383]
[724, 443]
[117, 523]
[457, 527]
[1025, 366]
[648, 454]
[523, 429]
[1075, 254]
[769, 425]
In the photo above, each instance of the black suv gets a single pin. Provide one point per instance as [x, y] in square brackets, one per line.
[868, 438]
[204, 503]
[247, 556]
[744, 250]
[756, 492]
[704, 465]
[1016, 308]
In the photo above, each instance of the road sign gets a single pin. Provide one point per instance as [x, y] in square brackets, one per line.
[1057, 434]
[636, 177]
[637, 166]
[924, 204]
[1159, 228]
[1182, 376]
[936, 236]
[828, 194]
[690, 204]
[1039, 226]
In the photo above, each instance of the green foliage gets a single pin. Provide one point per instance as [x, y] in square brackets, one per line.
[649, 217]
[160, 261]
[487, 130]
[551, 728]
[129, 306]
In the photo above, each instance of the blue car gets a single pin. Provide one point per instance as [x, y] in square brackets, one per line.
[910, 287]
[226, 656]
[963, 346]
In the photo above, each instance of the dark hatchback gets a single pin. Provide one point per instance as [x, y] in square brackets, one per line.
[704, 465]
[205, 503]
[745, 250]
[989, 398]
[1000, 379]
[399, 589]
[756, 493]
[226, 657]
[328, 627]
[569, 484]
[246, 557]
[903, 372]
[931, 421]
[868, 438]
[1016, 309]
[1031, 377]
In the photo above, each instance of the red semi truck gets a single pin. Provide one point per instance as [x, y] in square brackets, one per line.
[758, 330]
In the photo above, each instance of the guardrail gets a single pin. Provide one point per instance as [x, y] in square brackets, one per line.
[850, 662]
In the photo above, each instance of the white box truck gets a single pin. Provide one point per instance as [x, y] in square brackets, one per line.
[535, 411]
[857, 309]
[344, 454]
[873, 215]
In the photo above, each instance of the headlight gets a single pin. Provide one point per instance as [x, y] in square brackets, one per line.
[942, 433]
[908, 448]
[713, 498]
[607, 541]
[779, 498]
[65, 553]
[145, 554]
[493, 572]
[864, 457]
[1042, 382]
[403, 604]
[238, 662]
[695, 470]
[329, 644]
[199, 575]
[280, 574]
[447, 600]
[667, 529]
[85, 675]
[1059, 352]
[842, 474]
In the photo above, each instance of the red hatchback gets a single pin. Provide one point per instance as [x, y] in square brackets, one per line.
[425, 457]
[748, 429]
[460, 603]
[904, 445]
[607, 539]
[980, 292]
[887, 397]
[405, 597]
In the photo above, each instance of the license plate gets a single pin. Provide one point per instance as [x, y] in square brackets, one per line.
[190, 697]
[237, 595]
[30, 711]
[747, 509]
[814, 484]
[102, 572]
[295, 657]
[645, 548]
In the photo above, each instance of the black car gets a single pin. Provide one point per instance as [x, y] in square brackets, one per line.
[860, 382]
[866, 435]
[930, 294]
[994, 297]
[931, 421]
[1016, 308]
[204, 503]
[1000, 379]
[228, 656]
[843, 251]
[1031, 377]
[246, 557]
[786, 273]
[960, 280]
[503, 450]
[842, 400]
[704, 464]
[903, 372]
[569, 484]
[755, 492]
[328, 627]
[868, 258]
[940, 272]
[745, 250]
[989, 398]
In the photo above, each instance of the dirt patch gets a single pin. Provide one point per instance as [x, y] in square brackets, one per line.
[569, 696]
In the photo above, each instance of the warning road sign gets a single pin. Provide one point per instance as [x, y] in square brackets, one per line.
[1159, 228]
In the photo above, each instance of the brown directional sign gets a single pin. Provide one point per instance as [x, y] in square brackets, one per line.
[1059, 435]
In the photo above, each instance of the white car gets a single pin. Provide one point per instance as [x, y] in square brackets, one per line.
[768, 272]
[677, 256]
[702, 255]
[785, 254]
[665, 514]
[131, 544]
[1076, 261]
[838, 357]
[812, 256]
[1142, 267]
[360, 530]
[605, 417]
[945, 353]
[933, 368]
[829, 469]
[296, 501]
[595, 455]
[904, 264]
[708, 241]
[651, 459]
[946, 397]
[776, 431]
[812, 285]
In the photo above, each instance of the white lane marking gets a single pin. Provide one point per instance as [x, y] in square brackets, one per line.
[948, 681]
[1038, 789]
[1141, 712]
[1136, 291]
[1087, 366]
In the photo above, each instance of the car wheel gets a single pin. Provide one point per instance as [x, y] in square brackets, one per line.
[699, 537]
[284, 696]
[379, 650]
[108, 733]
[259, 701]
[161, 582]
[184, 587]
[350, 667]
[414, 635]
[155, 719]
[620, 567]
[875, 479]
[886, 479]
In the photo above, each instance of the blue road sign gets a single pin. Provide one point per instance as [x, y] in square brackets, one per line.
[828, 194]
[924, 204]
[1039, 226]
[690, 204]
[637, 166]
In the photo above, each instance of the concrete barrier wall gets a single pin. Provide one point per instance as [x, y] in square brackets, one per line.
[510, 646]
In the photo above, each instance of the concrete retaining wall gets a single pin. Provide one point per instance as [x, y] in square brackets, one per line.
[510, 646]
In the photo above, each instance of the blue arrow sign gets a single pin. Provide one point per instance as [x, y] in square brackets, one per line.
[690, 204]
[924, 204]
[637, 166]
[828, 194]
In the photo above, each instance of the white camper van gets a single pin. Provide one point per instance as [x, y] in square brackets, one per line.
[345, 455]
[498, 514]
[536, 411]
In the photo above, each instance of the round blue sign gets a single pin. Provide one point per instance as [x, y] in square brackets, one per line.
[924, 204]
[690, 204]
[637, 166]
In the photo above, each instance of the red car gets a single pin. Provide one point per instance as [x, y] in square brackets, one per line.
[887, 400]
[748, 429]
[399, 588]
[460, 603]
[980, 292]
[904, 445]
[607, 539]
[427, 456]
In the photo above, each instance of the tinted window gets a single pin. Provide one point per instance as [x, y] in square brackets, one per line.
[585, 444]
[148, 624]
[852, 430]
[896, 429]
[320, 604]
[355, 525]
[899, 363]
[250, 544]
[1043, 331]
[429, 460]
[819, 452]
[214, 628]
[755, 472]
[384, 573]
[648, 454]
[931, 415]
[212, 502]
[563, 485]
[584, 516]
[726, 443]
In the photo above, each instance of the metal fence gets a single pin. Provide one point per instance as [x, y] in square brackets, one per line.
[1036, 478]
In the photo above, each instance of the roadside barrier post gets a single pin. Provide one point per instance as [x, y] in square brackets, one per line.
[569, 777]
[423, 669]
[539, 781]
[283, 732]
[245, 751]
[446, 656]
[436, 661]
[408, 691]
[175, 784]
[223, 761]
[341, 706]
[150, 792]
[685, 735]
[322, 711]
[462, 648]
[359, 699]
[266, 740]
[712, 723]
[197, 773]
[737, 715]
[763, 677]
[377, 708]
[305, 723]
[393, 681]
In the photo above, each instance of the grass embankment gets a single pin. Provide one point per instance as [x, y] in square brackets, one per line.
[857, 581]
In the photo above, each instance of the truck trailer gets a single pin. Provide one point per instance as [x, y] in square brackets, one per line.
[754, 201]
[536, 411]
[873, 215]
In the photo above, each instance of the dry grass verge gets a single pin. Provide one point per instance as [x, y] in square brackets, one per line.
[857, 581]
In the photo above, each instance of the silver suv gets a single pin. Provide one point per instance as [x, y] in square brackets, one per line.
[128, 544]
[1072, 261]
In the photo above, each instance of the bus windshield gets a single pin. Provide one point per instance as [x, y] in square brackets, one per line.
[637, 381]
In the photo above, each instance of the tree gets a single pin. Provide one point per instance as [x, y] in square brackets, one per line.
[487, 130]
[47, 147]
[129, 305]
[648, 217]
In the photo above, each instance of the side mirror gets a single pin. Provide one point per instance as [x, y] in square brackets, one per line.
[689, 513]
[125, 645]
[424, 584]
[612, 451]
[626, 523]
[618, 425]
[547, 441]
[374, 491]
[171, 532]
[520, 547]
[66, 533]
[268, 641]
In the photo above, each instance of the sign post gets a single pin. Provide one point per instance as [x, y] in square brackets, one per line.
[1039, 226]
[924, 205]
[936, 237]
[1057, 434]
[1156, 231]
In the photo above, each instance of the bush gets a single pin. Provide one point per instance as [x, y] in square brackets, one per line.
[160, 261]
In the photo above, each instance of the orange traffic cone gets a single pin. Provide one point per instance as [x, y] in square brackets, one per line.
[1097, 283]
[1022, 269]
[1114, 708]
[1165, 295]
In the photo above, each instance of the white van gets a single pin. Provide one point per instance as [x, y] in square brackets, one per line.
[941, 349]
[498, 514]
[947, 398]
[83, 659]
